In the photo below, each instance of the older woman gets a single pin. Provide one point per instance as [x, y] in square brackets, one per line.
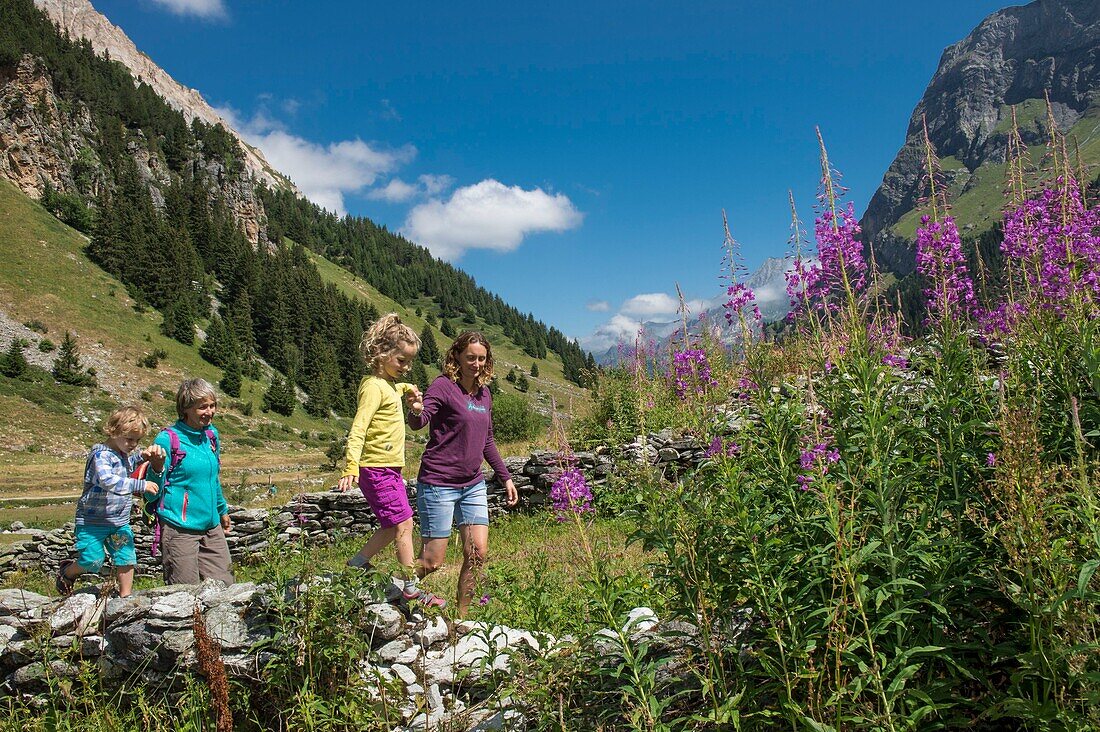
[191, 507]
[450, 487]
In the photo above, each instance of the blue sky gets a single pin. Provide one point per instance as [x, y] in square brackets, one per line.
[573, 157]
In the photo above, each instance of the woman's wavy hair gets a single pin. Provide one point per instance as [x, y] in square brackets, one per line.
[450, 363]
[384, 338]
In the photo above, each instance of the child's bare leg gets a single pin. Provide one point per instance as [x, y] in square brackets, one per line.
[379, 541]
[73, 570]
[403, 545]
[125, 577]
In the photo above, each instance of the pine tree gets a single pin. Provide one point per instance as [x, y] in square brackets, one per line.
[13, 363]
[67, 368]
[231, 378]
[447, 329]
[179, 319]
[280, 397]
[521, 382]
[511, 377]
[220, 347]
[418, 375]
[429, 350]
[535, 369]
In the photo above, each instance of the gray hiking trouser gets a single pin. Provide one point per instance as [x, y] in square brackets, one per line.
[192, 556]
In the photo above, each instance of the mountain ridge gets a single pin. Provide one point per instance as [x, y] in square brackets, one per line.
[1014, 57]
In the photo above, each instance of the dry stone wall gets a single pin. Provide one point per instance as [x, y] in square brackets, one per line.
[326, 517]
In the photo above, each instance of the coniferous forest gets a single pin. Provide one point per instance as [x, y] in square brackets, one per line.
[178, 249]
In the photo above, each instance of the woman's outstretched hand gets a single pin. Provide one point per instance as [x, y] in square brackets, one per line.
[346, 483]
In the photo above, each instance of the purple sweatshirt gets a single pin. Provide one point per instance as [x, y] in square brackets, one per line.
[461, 434]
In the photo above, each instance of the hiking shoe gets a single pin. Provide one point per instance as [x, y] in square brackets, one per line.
[425, 598]
[64, 585]
[365, 566]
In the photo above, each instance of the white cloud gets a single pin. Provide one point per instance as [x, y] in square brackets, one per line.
[199, 8]
[436, 184]
[324, 173]
[488, 215]
[620, 329]
[396, 191]
[652, 304]
[598, 306]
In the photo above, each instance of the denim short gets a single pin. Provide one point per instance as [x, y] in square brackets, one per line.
[94, 543]
[440, 507]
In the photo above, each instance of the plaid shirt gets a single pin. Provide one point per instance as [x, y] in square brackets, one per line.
[108, 488]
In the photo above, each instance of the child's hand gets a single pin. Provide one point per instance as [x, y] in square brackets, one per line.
[151, 487]
[155, 454]
[346, 483]
[414, 400]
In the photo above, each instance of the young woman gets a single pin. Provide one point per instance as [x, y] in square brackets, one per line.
[450, 488]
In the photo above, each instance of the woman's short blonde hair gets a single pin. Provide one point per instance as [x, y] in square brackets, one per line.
[384, 338]
[125, 420]
[193, 391]
[450, 361]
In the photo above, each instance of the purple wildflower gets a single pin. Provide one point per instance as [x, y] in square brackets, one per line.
[991, 459]
[941, 261]
[691, 373]
[570, 494]
[1055, 243]
[483, 601]
[720, 448]
[815, 460]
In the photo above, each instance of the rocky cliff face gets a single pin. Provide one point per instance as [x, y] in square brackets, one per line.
[81, 20]
[1015, 55]
[40, 139]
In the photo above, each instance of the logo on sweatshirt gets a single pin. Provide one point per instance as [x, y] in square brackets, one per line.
[471, 407]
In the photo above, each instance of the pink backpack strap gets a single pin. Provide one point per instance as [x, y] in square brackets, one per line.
[177, 454]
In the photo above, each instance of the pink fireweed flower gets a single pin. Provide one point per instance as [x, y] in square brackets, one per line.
[884, 335]
[950, 294]
[840, 268]
[691, 373]
[1055, 241]
[718, 447]
[741, 296]
[815, 460]
[991, 459]
[570, 495]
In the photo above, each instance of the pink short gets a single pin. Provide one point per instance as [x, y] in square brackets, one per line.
[385, 492]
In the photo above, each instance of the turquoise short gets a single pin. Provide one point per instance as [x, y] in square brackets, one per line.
[94, 543]
[439, 507]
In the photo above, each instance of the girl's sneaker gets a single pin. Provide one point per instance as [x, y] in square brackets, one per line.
[64, 585]
[425, 598]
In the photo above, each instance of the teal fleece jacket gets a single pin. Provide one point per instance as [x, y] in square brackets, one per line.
[193, 499]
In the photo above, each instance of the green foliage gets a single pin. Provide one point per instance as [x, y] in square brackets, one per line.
[46, 345]
[534, 369]
[152, 360]
[514, 419]
[429, 354]
[69, 208]
[13, 363]
[220, 347]
[280, 397]
[67, 368]
[231, 379]
[36, 325]
[419, 375]
[522, 385]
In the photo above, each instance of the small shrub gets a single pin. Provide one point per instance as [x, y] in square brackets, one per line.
[514, 419]
[46, 345]
[36, 325]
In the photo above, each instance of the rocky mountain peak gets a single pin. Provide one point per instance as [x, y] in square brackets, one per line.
[1014, 55]
[82, 20]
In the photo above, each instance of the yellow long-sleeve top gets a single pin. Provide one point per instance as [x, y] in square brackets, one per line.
[377, 436]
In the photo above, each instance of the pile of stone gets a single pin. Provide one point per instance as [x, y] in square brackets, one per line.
[445, 674]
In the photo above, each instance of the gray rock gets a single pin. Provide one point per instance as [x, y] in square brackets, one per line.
[17, 602]
[393, 651]
[432, 633]
[384, 623]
